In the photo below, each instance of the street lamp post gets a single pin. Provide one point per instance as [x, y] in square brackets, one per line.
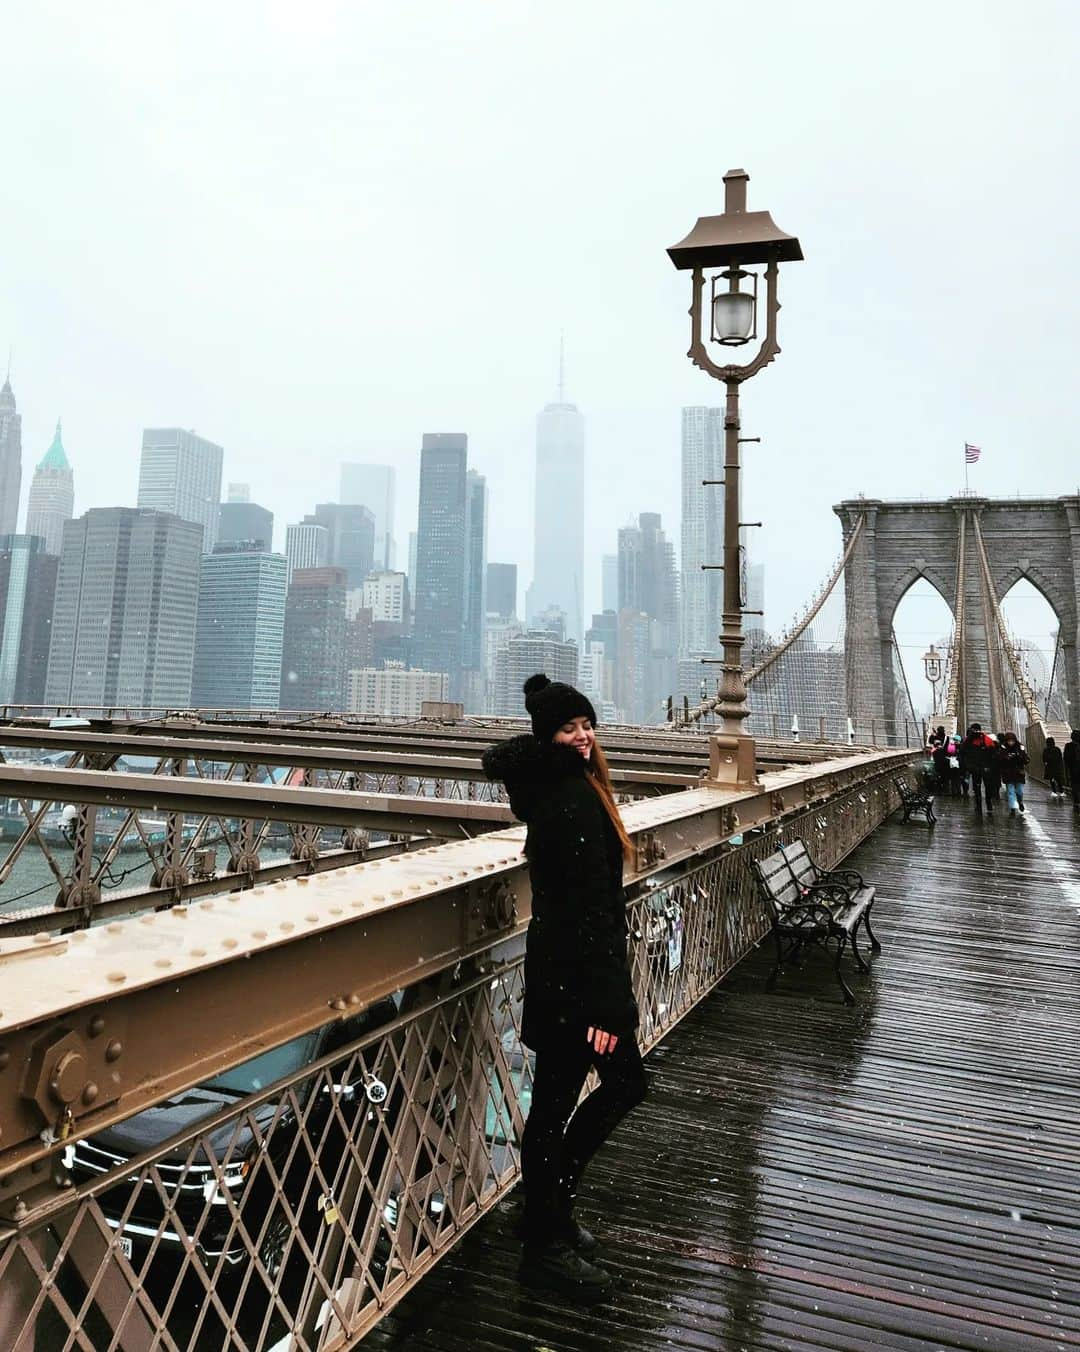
[733, 242]
[933, 667]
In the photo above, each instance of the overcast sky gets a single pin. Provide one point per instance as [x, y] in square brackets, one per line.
[312, 233]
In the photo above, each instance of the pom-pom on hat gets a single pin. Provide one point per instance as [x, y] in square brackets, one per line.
[551, 704]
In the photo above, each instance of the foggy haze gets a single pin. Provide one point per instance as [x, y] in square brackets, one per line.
[314, 235]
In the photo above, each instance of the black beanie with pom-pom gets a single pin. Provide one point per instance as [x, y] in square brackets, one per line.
[551, 704]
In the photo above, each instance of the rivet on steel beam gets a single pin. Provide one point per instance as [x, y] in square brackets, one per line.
[354, 998]
[114, 928]
[198, 952]
[79, 937]
[303, 881]
[230, 942]
[147, 919]
[163, 962]
[311, 919]
[286, 926]
[379, 896]
[258, 934]
[337, 910]
[116, 977]
[339, 1003]
[90, 1093]
[206, 905]
[113, 1050]
[97, 1025]
[5, 1057]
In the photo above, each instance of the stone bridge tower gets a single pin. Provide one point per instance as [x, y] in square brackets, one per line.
[1036, 538]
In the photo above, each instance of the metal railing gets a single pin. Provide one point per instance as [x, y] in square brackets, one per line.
[293, 1216]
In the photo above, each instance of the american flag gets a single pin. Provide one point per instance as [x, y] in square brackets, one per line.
[971, 453]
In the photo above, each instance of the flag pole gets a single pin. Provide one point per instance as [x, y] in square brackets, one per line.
[966, 487]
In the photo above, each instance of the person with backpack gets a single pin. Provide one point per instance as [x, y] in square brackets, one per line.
[1071, 760]
[1054, 768]
[579, 1013]
[1013, 759]
[977, 753]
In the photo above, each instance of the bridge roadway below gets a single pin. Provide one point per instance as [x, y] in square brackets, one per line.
[904, 1174]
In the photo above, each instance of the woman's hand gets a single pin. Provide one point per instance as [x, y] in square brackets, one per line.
[600, 1041]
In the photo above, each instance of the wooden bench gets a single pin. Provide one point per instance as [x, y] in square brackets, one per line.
[914, 802]
[811, 905]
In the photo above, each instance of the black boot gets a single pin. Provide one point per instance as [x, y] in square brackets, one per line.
[562, 1267]
[579, 1239]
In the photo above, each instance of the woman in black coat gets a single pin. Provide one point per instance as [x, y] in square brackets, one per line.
[580, 1012]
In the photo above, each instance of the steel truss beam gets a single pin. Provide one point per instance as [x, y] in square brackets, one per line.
[99, 1024]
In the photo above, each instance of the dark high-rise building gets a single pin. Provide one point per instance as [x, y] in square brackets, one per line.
[52, 496]
[180, 473]
[350, 532]
[240, 630]
[123, 629]
[27, 592]
[475, 588]
[245, 523]
[502, 590]
[10, 460]
[441, 554]
[313, 663]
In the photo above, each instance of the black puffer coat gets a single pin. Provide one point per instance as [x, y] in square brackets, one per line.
[576, 971]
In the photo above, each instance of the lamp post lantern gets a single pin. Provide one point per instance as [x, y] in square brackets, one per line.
[734, 242]
[932, 665]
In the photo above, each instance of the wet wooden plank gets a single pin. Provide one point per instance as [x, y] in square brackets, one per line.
[904, 1175]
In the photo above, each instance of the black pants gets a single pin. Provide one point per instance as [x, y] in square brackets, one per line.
[554, 1154]
[980, 781]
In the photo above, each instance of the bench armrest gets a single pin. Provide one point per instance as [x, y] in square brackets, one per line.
[807, 915]
[846, 877]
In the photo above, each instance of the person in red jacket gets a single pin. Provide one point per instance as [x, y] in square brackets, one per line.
[978, 752]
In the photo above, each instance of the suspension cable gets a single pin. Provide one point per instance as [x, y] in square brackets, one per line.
[956, 665]
[710, 705]
[1012, 657]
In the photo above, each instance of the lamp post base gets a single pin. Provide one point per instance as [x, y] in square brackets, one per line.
[732, 761]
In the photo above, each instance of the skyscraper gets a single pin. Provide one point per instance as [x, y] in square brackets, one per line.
[52, 496]
[350, 538]
[648, 585]
[240, 631]
[525, 655]
[312, 667]
[475, 587]
[373, 487]
[123, 629]
[10, 460]
[609, 582]
[180, 473]
[702, 529]
[502, 590]
[306, 546]
[559, 537]
[241, 521]
[441, 552]
[27, 591]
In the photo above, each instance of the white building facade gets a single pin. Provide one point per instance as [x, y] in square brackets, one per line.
[394, 690]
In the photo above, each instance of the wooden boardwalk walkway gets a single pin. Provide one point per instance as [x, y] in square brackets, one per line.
[900, 1175]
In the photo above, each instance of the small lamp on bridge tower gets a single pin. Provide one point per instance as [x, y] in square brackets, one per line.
[733, 242]
[932, 665]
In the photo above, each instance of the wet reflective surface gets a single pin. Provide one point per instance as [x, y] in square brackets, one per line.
[902, 1174]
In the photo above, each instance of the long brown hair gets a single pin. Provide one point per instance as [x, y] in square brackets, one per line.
[599, 777]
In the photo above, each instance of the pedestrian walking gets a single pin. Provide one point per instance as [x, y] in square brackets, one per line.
[1071, 759]
[1054, 768]
[1013, 759]
[579, 1012]
[978, 751]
